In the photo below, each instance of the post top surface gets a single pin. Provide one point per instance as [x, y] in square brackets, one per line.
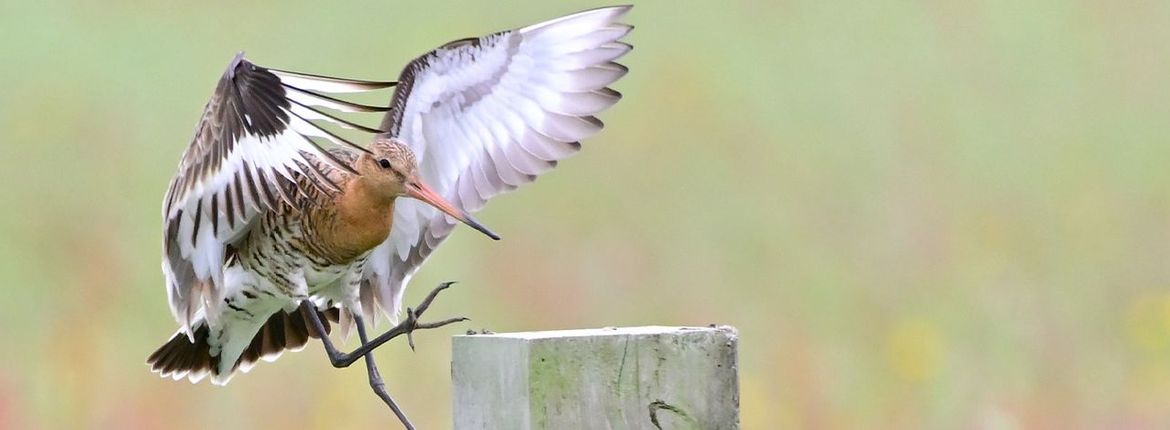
[607, 331]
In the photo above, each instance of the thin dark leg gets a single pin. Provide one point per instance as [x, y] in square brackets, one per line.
[411, 324]
[376, 379]
[339, 359]
[343, 360]
[310, 312]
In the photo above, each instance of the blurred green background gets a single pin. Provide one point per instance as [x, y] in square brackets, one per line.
[919, 214]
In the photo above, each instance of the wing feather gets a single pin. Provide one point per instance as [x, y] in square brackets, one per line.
[252, 151]
[487, 115]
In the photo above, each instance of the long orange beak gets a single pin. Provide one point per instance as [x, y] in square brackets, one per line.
[417, 189]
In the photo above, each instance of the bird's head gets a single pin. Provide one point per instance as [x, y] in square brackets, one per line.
[392, 170]
[389, 166]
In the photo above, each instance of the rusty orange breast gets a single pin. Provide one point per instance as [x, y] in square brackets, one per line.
[359, 221]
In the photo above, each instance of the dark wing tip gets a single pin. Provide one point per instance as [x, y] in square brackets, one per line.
[237, 61]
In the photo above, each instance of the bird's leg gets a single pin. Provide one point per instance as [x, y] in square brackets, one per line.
[336, 357]
[411, 323]
[339, 359]
[376, 379]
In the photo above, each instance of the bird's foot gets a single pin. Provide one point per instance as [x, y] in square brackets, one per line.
[339, 359]
[412, 315]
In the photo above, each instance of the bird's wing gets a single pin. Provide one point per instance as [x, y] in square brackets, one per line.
[253, 141]
[487, 115]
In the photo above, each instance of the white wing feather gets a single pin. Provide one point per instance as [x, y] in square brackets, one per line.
[488, 115]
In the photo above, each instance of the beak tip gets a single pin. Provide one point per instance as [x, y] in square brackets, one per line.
[467, 219]
[488, 233]
[428, 196]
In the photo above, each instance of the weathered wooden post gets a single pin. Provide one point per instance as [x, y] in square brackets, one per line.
[611, 378]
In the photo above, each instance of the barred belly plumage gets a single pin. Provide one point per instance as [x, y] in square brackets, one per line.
[291, 261]
[279, 265]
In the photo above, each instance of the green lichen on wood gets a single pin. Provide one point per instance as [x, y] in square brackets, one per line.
[641, 378]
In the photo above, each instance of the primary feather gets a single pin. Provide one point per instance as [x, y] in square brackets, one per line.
[254, 136]
[487, 115]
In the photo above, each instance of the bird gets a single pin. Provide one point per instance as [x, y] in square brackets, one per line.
[274, 226]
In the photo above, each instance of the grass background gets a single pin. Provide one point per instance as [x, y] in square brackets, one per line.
[920, 214]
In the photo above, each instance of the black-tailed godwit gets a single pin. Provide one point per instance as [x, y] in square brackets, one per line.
[269, 236]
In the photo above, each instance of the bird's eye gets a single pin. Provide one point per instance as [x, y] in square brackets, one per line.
[384, 163]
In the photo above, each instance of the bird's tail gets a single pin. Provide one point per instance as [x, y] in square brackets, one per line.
[180, 357]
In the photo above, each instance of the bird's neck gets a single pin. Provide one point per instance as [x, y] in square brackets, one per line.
[361, 220]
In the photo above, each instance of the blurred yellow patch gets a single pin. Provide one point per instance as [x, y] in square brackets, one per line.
[1147, 322]
[914, 349]
[760, 405]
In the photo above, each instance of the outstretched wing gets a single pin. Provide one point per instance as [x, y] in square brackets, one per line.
[254, 138]
[487, 115]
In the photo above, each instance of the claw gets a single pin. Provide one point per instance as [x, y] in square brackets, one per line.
[406, 327]
[447, 321]
[426, 303]
[412, 320]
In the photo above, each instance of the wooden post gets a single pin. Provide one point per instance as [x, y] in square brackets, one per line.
[611, 378]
